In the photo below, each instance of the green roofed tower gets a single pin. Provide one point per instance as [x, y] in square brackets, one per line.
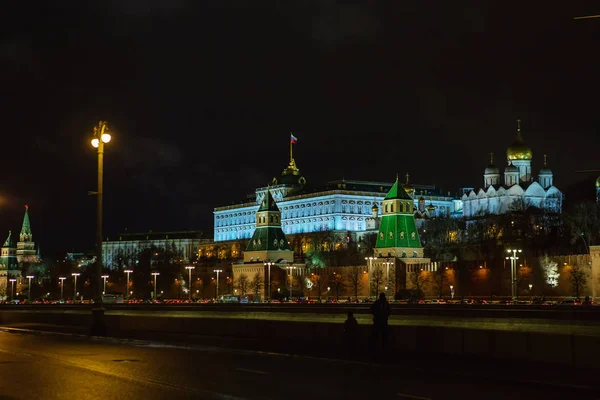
[25, 246]
[398, 235]
[9, 267]
[268, 241]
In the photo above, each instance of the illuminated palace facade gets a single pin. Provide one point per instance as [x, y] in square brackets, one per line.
[518, 190]
[125, 247]
[343, 205]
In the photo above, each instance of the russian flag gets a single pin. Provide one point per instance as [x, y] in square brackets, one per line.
[293, 138]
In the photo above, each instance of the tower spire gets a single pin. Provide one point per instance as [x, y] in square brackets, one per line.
[545, 160]
[291, 168]
[407, 176]
[8, 239]
[291, 152]
[519, 137]
[26, 228]
[491, 158]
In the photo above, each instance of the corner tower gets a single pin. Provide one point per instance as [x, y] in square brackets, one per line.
[8, 257]
[26, 246]
[398, 235]
[268, 241]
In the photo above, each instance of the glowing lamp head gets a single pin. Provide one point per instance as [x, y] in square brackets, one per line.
[95, 142]
[105, 137]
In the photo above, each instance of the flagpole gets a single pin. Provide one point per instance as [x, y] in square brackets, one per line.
[291, 157]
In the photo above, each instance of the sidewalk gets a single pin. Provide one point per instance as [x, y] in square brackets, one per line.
[508, 371]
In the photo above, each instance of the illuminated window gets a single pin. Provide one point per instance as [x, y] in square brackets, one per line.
[391, 235]
[401, 235]
[381, 235]
[412, 236]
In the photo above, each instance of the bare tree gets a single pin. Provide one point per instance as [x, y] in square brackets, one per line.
[440, 279]
[319, 281]
[397, 278]
[337, 281]
[354, 278]
[257, 284]
[578, 279]
[583, 223]
[418, 280]
[242, 284]
[377, 280]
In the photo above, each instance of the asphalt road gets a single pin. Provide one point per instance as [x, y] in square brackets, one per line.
[70, 367]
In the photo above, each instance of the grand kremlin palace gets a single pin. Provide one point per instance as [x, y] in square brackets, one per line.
[343, 205]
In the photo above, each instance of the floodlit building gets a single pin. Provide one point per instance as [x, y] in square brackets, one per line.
[268, 252]
[128, 245]
[516, 189]
[344, 205]
[16, 257]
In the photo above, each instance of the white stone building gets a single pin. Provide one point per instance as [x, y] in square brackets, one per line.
[518, 190]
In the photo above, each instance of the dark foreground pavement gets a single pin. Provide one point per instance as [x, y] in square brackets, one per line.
[59, 366]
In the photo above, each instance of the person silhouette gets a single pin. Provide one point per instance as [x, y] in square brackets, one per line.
[351, 332]
[381, 312]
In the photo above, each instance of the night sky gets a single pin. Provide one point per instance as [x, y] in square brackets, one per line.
[201, 96]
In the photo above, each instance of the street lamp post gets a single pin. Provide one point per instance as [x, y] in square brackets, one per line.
[155, 274]
[62, 286]
[530, 293]
[30, 277]
[370, 260]
[268, 264]
[290, 269]
[217, 286]
[127, 271]
[190, 268]
[75, 275]
[12, 286]
[387, 264]
[104, 277]
[100, 138]
[513, 271]
[452, 292]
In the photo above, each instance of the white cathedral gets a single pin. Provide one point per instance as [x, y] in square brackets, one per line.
[519, 190]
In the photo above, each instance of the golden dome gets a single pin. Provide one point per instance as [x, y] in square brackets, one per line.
[374, 208]
[518, 150]
[408, 188]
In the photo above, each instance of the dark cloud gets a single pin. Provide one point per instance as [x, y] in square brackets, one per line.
[336, 22]
[145, 8]
[201, 97]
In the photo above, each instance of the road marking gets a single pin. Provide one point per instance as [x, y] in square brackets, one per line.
[410, 396]
[253, 371]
